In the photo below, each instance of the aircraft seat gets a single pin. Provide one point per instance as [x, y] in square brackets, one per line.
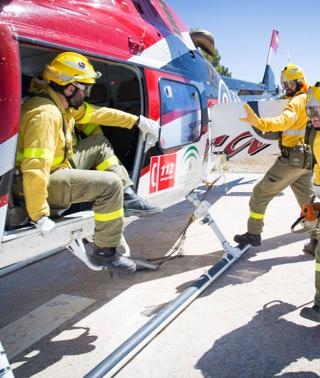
[128, 90]
[124, 141]
[128, 97]
[99, 95]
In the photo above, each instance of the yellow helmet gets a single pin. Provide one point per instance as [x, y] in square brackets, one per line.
[291, 72]
[313, 97]
[313, 105]
[69, 67]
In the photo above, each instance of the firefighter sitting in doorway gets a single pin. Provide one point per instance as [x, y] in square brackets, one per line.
[313, 112]
[104, 159]
[45, 156]
[293, 167]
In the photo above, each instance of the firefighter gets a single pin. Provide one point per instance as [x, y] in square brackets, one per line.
[86, 136]
[313, 112]
[293, 167]
[108, 161]
[45, 156]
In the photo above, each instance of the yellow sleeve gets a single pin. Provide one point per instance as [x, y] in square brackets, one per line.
[316, 152]
[38, 153]
[316, 173]
[291, 113]
[104, 116]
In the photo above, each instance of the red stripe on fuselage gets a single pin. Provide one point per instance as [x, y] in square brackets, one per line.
[144, 171]
[4, 200]
[169, 117]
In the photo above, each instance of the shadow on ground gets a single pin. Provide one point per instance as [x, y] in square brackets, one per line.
[54, 351]
[149, 237]
[264, 347]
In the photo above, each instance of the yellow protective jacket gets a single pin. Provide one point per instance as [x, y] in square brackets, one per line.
[292, 121]
[41, 144]
[88, 119]
[316, 152]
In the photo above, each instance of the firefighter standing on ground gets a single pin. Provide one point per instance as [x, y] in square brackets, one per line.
[45, 156]
[313, 112]
[290, 169]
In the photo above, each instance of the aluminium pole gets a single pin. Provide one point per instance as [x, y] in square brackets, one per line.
[126, 351]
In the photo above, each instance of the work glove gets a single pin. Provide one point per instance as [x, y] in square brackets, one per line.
[316, 189]
[251, 117]
[148, 126]
[45, 225]
[151, 140]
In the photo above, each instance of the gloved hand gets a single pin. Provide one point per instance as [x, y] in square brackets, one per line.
[251, 117]
[45, 225]
[316, 189]
[151, 140]
[148, 126]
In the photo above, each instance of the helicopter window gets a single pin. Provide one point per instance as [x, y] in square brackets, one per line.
[180, 114]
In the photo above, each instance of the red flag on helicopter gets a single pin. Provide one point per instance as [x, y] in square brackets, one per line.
[274, 40]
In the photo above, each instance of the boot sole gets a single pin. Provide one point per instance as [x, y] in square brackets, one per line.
[113, 268]
[310, 316]
[252, 244]
[309, 252]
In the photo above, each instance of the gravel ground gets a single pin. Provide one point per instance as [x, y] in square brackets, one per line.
[251, 165]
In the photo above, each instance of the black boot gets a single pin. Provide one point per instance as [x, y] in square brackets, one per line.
[311, 313]
[113, 260]
[135, 205]
[247, 238]
[311, 246]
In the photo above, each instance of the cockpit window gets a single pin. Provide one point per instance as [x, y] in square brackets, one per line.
[180, 114]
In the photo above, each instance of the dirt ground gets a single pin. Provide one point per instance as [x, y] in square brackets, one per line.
[251, 165]
[59, 318]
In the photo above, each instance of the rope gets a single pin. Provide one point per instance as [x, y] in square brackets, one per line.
[177, 250]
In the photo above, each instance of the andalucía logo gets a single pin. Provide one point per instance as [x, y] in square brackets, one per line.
[191, 154]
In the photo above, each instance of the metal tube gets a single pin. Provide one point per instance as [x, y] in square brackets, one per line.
[14, 267]
[126, 351]
[5, 369]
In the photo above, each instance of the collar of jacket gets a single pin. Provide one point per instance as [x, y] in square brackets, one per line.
[295, 95]
[41, 86]
[56, 99]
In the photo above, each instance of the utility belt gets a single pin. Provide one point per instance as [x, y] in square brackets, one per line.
[285, 151]
[299, 156]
